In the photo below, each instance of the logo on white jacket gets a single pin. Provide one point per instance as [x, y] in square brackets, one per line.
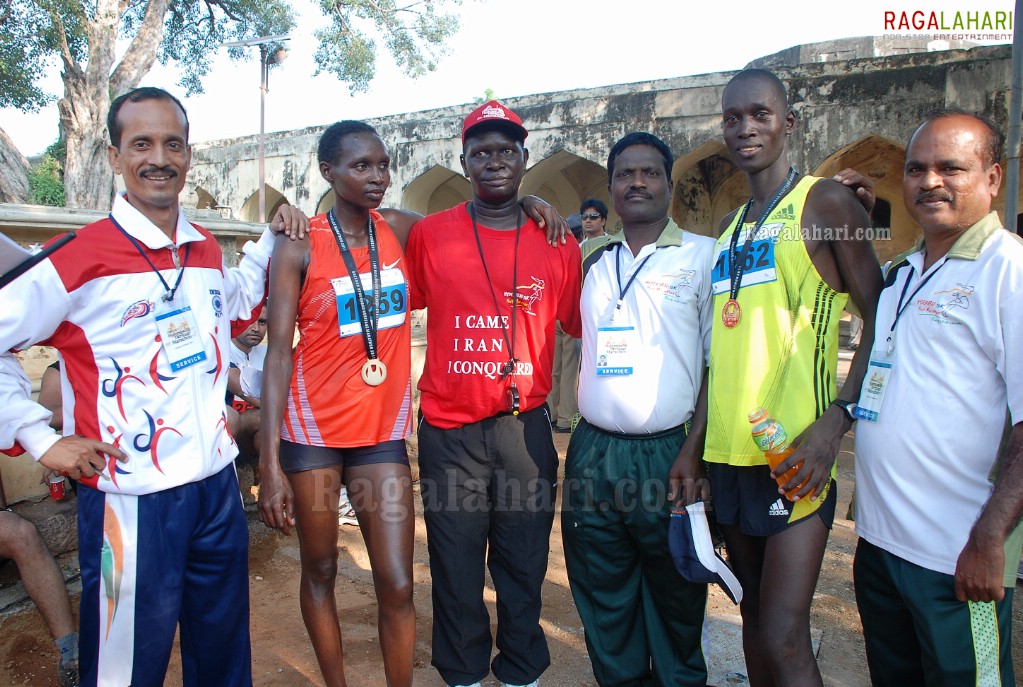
[218, 302]
[137, 309]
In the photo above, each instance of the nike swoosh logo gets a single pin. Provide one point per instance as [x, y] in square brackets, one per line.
[391, 266]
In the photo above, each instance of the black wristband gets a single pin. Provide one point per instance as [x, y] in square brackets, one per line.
[848, 407]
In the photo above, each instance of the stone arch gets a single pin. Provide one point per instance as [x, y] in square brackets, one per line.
[250, 208]
[205, 200]
[564, 180]
[436, 189]
[697, 203]
[882, 161]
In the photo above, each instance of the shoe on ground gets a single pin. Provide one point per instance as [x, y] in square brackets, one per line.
[561, 430]
[475, 684]
[346, 514]
[534, 683]
[67, 677]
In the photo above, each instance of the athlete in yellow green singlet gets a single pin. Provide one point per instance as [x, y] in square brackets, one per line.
[777, 300]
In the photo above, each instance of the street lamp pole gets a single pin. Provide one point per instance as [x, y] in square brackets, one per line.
[262, 132]
[265, 61]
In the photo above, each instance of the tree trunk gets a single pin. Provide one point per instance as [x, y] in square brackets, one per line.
[13, 172]
[88, 179]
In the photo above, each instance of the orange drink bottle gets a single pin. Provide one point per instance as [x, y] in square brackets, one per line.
[770, 437]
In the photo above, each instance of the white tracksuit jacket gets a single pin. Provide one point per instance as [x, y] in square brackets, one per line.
[95, 301]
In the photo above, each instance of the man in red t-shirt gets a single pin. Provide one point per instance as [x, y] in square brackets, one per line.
[488, 465]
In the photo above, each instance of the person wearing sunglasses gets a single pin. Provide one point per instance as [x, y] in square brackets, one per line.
[594, 215]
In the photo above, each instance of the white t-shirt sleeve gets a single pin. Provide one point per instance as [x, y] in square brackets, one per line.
[1009, 355]
[34, 305]
[245, 284]
[706, 296]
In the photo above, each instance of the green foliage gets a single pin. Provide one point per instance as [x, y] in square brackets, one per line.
[33, 33]
[488, 95]
[414, 33]
[195, 29]
[57, 150]
[46, 181]
[23, 55]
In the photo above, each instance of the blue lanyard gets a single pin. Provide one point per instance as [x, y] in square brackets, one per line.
[618, 273]
[900, 308]
[169, 295]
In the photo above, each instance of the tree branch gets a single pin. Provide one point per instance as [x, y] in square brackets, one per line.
[71, 65]
[224, 7]
[101, 31]
[141, 53]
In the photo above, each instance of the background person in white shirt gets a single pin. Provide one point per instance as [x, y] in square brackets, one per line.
[247, 356]
[244, 383]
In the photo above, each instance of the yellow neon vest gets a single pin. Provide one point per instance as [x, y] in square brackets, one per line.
[783, 354]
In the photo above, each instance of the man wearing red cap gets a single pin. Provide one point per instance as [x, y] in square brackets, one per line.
[487, 459]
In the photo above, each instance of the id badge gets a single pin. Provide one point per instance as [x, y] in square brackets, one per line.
[393, 301]
[875, 382]
[180, 336]
[617, 347]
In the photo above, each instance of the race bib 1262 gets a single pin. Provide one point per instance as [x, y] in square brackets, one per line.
[758, 261]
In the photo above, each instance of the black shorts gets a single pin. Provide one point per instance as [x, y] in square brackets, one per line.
[748, 496]
[300, 457]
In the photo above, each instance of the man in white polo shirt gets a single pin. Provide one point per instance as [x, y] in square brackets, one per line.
[646, 332]
[247, 356]
[943, 391]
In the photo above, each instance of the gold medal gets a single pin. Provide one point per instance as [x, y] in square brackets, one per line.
[374, 372]
[731, 313]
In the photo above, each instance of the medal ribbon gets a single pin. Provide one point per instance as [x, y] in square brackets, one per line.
[509, 367]
[368, 316]
[738, 265]
[168, 296]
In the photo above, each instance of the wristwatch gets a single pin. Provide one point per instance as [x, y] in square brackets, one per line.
[848, 407]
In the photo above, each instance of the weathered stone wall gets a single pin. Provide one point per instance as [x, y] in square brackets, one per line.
[855, 111]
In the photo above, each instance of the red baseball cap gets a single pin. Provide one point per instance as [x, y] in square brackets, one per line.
[493, 111]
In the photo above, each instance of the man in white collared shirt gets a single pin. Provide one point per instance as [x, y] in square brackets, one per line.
[943, 391]
[645, 311]
[140, 307]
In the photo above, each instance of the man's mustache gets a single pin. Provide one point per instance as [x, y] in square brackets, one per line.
[928, 196]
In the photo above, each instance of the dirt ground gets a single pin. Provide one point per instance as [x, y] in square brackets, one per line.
[283, 657]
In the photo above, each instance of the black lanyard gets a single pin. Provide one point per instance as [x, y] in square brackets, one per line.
[509, 367]
[368, 312]
[738, 264]
[618, 273]
[900, 308]
[169, 292]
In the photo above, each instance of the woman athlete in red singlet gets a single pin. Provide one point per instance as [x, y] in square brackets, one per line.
[322, 423]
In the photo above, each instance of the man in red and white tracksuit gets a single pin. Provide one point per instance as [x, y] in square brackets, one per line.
[140, 307]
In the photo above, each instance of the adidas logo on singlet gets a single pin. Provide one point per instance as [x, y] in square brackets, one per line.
[787, 212]
[777, 508]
